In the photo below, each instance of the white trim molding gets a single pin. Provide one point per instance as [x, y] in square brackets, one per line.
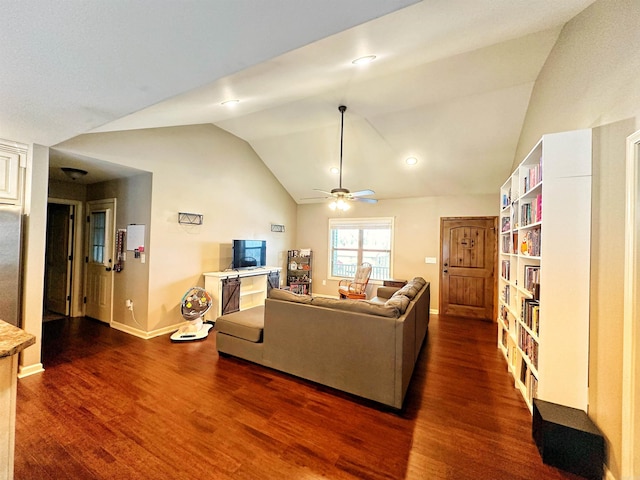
[631, 334]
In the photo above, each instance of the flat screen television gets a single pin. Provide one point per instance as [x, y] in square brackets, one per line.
[249, 253]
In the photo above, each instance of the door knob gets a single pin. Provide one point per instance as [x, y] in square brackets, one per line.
[446, 271]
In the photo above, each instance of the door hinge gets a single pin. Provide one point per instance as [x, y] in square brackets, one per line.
[68, 298]
[86, 259]
[88, 219]
[85, 300]
[71, 217]
[70, 257]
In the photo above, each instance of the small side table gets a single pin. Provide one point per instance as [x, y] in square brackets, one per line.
[567, 438]
[394, 283]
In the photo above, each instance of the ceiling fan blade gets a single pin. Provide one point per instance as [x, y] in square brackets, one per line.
[315, 198]
[362, 193]
[323, 191]
[367, 200]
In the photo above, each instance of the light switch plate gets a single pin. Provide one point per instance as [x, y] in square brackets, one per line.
[430, 260]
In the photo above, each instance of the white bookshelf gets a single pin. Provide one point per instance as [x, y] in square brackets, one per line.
[545, 223]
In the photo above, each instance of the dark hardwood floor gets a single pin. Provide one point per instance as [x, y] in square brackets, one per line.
[112, 406]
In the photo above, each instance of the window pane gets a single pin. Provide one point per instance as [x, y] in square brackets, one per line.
[380, 262]
[344, 263]
[377, 239]
[98, 230]
[347, 238]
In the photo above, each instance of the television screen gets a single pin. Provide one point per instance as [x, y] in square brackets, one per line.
[249, 253]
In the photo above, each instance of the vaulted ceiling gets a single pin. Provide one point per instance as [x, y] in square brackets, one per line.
[450, 84]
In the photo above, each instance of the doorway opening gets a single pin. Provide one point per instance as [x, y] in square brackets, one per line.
[63, 260]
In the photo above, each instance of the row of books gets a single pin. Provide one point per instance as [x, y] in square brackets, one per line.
[504, 315]
[530, 382]
[506, 224]
[506, 199]
[531, 177]
[530, 244]
[531, 212]
[506, 269]
[532, 280]
[528, 345]
[506, 244]
[530, 314]
[506, 294]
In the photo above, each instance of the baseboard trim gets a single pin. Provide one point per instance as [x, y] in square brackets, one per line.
[608, 475]
[28, 370]
[136, 332]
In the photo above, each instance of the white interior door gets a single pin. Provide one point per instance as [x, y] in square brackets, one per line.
[99, 259]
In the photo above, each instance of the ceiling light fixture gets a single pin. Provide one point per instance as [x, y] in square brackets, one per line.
[411, 160]
[230, 103]
[334, 170]
[364, 60]
[73, 173]
[339, 204]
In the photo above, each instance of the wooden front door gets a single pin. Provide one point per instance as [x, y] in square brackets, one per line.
[467, 261]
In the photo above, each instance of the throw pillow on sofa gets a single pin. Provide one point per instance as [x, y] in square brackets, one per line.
[401, 302]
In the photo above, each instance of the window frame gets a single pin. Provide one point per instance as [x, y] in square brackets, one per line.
[361, 224]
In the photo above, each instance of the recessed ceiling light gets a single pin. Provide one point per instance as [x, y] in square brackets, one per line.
[364, 60]
[230, 103]
[411, 160]
[335, 170]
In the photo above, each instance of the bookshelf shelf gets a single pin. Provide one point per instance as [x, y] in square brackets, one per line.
[543, 260]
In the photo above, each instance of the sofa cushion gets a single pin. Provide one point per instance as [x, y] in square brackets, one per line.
[357, 306]
[401, 302]
[280, 294]
[412, 288]
[245, 324]
[409, 290]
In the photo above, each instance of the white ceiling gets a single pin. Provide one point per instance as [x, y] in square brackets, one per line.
[450, 85]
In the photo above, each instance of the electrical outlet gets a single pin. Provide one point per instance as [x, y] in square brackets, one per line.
[129, 304]
[324, 282]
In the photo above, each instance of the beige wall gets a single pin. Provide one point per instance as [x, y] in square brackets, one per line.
[198, 169]
[417, 233]
[592, 79]
[133, 206]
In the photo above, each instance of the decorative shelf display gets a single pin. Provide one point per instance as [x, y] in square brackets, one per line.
[299, 271]
[190, 218]
[544, 264]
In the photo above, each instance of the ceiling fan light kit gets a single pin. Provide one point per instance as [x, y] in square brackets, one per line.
[340, 196]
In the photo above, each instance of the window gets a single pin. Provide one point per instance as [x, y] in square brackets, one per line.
[98, 234]
[353, 241]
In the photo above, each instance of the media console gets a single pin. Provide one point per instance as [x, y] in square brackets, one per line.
[234, 290]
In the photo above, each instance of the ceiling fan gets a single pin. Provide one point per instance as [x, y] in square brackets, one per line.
[341, 195]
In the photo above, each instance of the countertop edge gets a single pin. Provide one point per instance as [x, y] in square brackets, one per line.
[13, 339]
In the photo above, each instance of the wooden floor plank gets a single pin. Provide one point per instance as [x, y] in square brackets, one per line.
[110, 406]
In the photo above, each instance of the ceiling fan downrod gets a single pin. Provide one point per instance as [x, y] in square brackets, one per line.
[342, 109]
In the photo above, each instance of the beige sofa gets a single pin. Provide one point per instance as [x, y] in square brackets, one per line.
[366, 348]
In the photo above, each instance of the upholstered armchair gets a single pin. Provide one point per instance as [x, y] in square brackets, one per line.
[355, 288]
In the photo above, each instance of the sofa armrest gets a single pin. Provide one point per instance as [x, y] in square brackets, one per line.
[386, 292]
